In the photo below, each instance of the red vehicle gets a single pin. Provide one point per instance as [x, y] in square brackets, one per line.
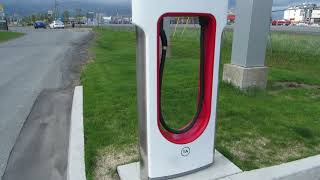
[281, 23]
[231, 18]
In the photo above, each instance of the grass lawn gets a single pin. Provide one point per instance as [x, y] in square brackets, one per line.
[5, 36]
[255, 128]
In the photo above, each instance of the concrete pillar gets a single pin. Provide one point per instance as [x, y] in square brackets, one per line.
[247, 68]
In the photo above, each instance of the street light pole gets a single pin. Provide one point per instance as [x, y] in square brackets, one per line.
[55, 9]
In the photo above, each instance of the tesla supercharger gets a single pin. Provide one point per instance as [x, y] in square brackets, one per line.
[166, 152]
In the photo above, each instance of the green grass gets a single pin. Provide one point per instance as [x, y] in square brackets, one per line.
[255, 128]
[6, 36]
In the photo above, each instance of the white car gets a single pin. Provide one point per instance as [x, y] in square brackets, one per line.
[57, 25]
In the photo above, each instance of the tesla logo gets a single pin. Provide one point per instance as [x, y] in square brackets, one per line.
[185, 151]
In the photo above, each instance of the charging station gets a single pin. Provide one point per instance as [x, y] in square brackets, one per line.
[166, 152]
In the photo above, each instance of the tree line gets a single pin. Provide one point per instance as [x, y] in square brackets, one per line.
[29, 20]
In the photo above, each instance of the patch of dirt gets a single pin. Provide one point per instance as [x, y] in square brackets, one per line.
[315, 95]
[280, 86]
[293, 150]
[259, 152]
[242, 147]
[110, 158]
[76, 58]
[295, 85]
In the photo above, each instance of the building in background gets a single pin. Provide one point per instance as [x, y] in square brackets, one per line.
[14, 19]
[91, 20]
[2, 14]
[99, 18]
[107, 19]
[315, 18]
[300, 14]
[3, 19]
[121, 19]
[50, 13]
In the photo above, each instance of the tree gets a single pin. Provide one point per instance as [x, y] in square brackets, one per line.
[66, 16]
[33, 18]
[78, 15]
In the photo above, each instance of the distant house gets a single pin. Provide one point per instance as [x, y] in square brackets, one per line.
[303, 13]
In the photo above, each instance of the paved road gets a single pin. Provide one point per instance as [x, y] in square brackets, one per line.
[28, 65]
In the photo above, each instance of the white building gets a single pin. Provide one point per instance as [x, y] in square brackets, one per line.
[315, 18]
[301, 13]
[50, 13]
[293, 14]
[107, 19]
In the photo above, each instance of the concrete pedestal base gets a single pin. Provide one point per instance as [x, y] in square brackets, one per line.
[222, 167]
[245, 78]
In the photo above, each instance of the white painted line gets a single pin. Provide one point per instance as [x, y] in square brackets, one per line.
[76, 164]
[308, 168]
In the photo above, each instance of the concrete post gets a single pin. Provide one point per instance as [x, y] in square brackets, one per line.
[247, 68]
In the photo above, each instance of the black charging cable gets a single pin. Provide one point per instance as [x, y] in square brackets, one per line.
[203, 21]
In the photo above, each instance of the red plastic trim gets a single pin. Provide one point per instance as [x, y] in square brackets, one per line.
[204, 117]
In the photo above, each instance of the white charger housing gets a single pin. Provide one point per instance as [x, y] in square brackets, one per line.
[165, 154]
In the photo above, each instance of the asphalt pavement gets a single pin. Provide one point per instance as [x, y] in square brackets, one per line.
[42, 59]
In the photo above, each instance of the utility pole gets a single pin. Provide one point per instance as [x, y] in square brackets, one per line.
[55, 9]
[98, 17]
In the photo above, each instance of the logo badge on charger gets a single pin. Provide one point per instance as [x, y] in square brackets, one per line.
[185, 151]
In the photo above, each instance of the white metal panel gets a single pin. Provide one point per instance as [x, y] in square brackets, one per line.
[316, 13]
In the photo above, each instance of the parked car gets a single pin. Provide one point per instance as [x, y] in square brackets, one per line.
[57, 25]
[39, 24]
[281, 23]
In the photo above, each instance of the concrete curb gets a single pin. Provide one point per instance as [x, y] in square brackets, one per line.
[76, 164]
[222, 167]
[308, 168]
